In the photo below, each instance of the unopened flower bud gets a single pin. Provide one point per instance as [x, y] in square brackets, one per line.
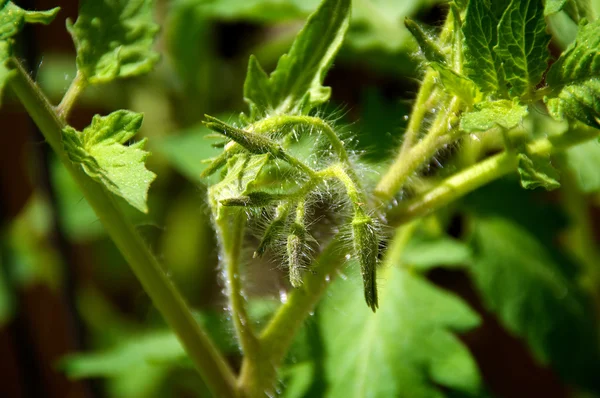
[252, 142]
[295, 245]
[366, 246]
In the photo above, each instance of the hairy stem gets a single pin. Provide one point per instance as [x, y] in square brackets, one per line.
[73, 92]
[406, 164]
[210, 364]
[480, 174]
[286, 121]
[231, 231]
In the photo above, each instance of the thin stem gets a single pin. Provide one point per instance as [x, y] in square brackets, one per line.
[231, 228]
[406, 164]
[480, 174]
[281, 121]
[210, 364]
[418, 113]
[281, 329]
[73, 92]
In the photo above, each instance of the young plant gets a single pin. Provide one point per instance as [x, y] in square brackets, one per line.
[488, 77]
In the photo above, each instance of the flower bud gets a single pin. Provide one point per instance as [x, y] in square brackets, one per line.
[366, 247]
[254, 143]
[295, 244]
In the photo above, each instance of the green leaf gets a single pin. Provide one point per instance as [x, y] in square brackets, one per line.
[575, 76]
[580, 101]
[523, 45]
[537, 171]
[408, 349]
[101, 152]
[425, 252]
[489, 114]
[457, 84]
[584, 161]
[581, 60]
[296, 84]
[553, 6]
[480, 36]
[114, 39]
[185, 151]
[157, 348]
[12, 20]
[521, 282]
[576, 9]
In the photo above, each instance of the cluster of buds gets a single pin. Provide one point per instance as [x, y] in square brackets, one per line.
[245, 155]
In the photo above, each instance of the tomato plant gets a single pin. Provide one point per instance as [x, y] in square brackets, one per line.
[508, 94]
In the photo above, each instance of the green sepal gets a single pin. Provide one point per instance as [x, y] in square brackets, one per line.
[101, 151]
[114, 39]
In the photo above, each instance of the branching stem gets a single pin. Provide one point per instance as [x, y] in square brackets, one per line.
[210, 364]
[77, 87]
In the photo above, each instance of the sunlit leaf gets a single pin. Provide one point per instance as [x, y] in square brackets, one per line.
[114, 39]
[100, 149]
[407, 349]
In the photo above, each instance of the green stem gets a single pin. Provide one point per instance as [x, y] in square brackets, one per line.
[281, 329]
[407, 163]
[210, 364]
[74, 91]
[231, 228]
[480, 174]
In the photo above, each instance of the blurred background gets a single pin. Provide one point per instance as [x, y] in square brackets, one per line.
[64, 288]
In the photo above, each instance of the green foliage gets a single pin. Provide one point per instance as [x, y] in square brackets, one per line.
[480, 36]
[537, 171]
[522, 45]
[521, 282]
[425, 252]
[289, 181]
[101, 151]
[574, 77]
[583, 160]
[457, 84]
[114, 39]
[12, 20]
[489, 114]
[296, 84]
[405, 349]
